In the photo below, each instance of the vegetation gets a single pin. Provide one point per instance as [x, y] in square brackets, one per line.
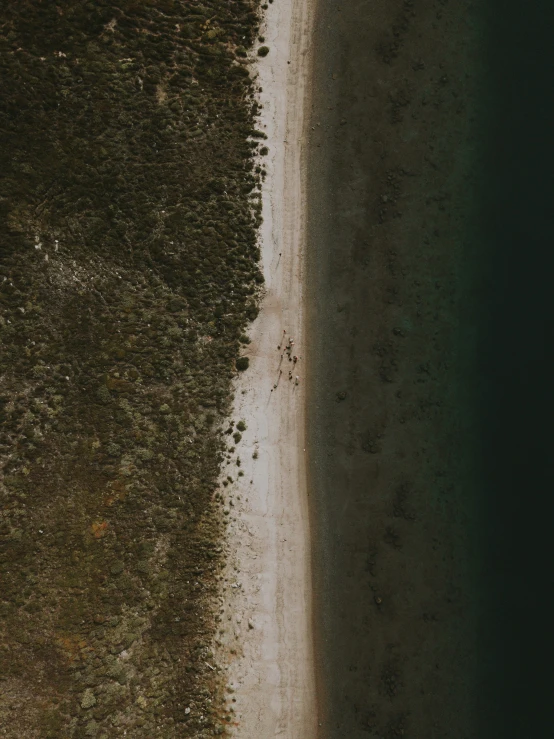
[128, 273]
[242, 363]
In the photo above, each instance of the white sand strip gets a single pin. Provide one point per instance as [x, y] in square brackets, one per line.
[267, 614]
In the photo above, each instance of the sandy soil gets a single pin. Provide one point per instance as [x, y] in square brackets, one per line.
[266, 614]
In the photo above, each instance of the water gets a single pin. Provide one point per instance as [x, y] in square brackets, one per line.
[516, 391]
[430, 298]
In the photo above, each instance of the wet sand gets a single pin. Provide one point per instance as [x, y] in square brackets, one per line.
[392, 281]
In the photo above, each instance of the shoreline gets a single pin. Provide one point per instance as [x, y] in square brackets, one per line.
[267, 615]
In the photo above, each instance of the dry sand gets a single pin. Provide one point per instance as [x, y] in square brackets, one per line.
[266, 613]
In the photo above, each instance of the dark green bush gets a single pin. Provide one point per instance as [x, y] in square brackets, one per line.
[242, 363]
[263, 51]
[156, 328]
[252, 311]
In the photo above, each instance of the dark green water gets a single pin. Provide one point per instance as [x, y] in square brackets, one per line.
[516, 366]
[429, 270]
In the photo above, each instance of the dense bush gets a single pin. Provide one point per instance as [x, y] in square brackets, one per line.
[128, 273]
[242, 363]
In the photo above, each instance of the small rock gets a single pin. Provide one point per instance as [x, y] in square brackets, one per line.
[251, 624]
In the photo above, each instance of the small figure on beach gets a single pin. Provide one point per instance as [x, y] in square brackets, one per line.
[295, 359]
[297, 380]
[290, 375]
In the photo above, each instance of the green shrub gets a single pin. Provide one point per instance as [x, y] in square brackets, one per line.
[263, 51]
[242, 363]
[237, 437]
[252, 311]
[241, 426]
[264, 151]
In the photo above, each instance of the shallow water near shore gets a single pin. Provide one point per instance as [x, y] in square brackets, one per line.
[394, 274]
[428, 322]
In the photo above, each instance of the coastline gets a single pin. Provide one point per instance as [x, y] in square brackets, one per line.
[267, 601]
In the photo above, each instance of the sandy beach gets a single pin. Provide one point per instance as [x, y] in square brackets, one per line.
[266, 609]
